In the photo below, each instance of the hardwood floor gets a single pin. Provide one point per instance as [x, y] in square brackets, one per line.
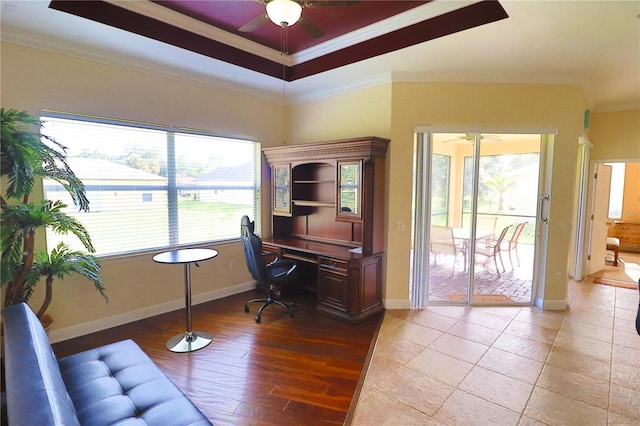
[284, 371]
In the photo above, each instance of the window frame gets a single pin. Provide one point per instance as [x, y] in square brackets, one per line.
[171, 188]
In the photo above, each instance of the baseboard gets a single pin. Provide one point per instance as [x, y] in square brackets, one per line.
[552, 305]
[116, 320]
[396, 304]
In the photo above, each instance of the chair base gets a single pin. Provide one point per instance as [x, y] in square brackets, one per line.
[269, 300]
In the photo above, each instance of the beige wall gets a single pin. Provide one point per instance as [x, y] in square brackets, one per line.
[631, 194]
[33, 79]
[615, 135]
[366, 112]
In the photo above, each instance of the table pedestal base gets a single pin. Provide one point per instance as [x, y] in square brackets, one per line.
[189, 341]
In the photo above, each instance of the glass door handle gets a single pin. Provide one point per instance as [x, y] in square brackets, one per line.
[546, 197]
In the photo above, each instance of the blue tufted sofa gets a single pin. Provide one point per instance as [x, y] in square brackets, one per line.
[112, 384]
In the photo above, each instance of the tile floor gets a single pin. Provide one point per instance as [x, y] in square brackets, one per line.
[462, 365]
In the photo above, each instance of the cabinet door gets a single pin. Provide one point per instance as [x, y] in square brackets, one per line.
[281, 189]
[349, 194]
[333, 284]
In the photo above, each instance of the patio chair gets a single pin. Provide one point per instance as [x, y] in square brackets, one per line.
[442, 242]
[487, 223]
[512, 244]
[492, 250]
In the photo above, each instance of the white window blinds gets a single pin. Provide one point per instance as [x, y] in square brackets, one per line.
[153, 187]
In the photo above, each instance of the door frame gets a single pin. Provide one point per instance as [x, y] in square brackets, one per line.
[582, 210]
[422, 134]
[583, 234]
[596, 247]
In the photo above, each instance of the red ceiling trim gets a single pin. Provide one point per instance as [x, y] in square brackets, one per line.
[449, 23]
[458, 20]
[124, 19]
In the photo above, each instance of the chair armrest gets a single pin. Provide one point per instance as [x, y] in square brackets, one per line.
[281, 268]
[266, 254]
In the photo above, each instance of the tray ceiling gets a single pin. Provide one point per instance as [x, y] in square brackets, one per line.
[352, 31]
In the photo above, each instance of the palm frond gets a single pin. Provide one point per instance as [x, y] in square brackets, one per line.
[62, 262]
[61, 223]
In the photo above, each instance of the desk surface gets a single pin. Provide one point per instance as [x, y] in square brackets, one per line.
[185, 255]
[313, 247]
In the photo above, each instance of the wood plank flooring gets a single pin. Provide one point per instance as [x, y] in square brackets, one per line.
[284, 371]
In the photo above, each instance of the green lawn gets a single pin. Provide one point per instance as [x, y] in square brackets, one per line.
[118, 231]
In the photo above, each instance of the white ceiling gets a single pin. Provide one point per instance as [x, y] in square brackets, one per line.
[592, 43]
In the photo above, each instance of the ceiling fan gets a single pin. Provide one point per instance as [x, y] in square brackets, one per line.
[286, 13]
[468, 137]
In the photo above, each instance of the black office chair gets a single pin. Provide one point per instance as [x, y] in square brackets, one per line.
[271, 275]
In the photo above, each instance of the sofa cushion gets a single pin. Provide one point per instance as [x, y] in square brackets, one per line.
[36, 392]
[119, 383]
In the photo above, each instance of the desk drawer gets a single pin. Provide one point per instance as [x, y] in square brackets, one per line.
[332, 265]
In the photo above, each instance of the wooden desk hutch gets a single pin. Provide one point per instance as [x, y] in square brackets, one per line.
[328, 213]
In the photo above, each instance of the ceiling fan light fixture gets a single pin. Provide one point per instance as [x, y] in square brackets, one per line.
[284, 13]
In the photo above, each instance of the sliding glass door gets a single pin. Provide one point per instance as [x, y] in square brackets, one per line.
[476, 218]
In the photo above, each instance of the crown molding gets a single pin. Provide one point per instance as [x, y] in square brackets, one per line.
[67, 48]
[627, 106]
[363, 83]
[393, 23]
[466, 77]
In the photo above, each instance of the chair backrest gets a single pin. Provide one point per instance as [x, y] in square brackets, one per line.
[441, 238]
[486, 223]
[503, 233]
[252, 246]
[516, 233]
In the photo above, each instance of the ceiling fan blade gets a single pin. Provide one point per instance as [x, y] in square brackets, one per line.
[254, 24]
[491, 138]
[461, 138]
[309, 27]
[469, 138]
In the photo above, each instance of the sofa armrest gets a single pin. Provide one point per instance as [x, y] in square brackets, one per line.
[36, 392]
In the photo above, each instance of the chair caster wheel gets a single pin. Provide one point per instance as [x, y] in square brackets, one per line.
[291, 315]
[258, 320]
[246, 308]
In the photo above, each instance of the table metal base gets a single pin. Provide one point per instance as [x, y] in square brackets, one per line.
[189, 341]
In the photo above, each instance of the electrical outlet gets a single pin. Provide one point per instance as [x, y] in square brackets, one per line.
[232, 264]
[398, 226]
[558, 277]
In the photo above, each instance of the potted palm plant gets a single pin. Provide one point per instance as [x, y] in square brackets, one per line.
[25, 158]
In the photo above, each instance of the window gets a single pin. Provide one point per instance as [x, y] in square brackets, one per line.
[616, 192]
[505, 187]
[440, 170]
[152, 187]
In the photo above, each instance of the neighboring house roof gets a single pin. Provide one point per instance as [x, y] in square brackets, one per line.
[240, 173]
[99, 169]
